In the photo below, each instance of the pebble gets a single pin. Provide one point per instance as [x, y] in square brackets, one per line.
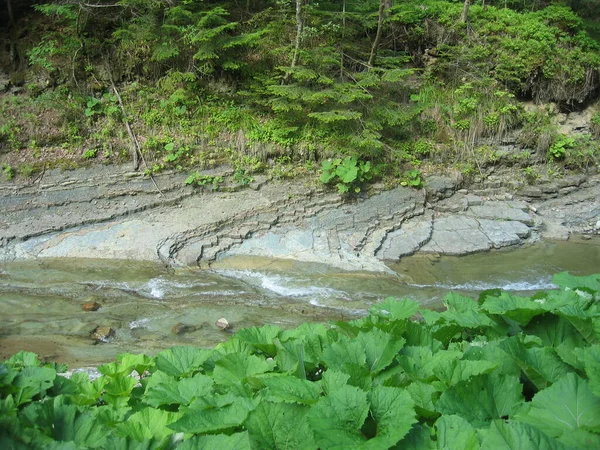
[222, 324]
[91, 306]
[102, 333]
[182, 328]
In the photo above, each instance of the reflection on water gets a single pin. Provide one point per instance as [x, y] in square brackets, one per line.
[40, 301]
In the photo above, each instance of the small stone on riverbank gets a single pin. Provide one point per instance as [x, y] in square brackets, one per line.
[91, 306]
[102, 333]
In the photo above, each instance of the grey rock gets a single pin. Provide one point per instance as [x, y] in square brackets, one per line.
[474, 200]
[454, 204]
[457, 235]
[441, 187]
[407, 240]
[500, 211]
[549, 188]
[531, 191]
[504, 234]
[556, 232]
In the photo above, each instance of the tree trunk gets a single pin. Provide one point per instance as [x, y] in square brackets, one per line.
[377, 41]
[13, 50]
[11, 16]
[465, 12]
[299, 31]
[343, 40]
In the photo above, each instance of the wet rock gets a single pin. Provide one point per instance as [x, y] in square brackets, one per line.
[91, 306]
[222, 324]
[102, 333]
[182, 328]
[556, 232]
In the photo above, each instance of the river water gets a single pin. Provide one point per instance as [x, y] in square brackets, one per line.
[40, 300]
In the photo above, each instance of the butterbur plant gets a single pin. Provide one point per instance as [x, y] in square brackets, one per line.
[412, 178]
[348, 174]
[498, 372]
[563, 143]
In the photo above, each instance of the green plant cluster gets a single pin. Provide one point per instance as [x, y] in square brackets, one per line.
[396, 85]
[204, 180]
[348, 174]
[502, 371]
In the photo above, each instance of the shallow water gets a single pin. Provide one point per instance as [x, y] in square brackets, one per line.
[40, 301]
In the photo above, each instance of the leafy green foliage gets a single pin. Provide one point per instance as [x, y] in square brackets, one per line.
[558, 149]
[227, 80]
[500, 372]
[348, 174]
[8, 171]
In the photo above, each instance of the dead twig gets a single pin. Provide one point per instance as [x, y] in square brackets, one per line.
[137, 152]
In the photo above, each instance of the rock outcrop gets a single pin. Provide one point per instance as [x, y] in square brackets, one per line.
[107, 212]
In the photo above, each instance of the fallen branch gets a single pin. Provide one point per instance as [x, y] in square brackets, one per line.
[137, 152]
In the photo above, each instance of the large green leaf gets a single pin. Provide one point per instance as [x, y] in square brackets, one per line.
[263, 338]
[349, 356]
[483, 398]
[32, 381]
[566, 280]
[310, 336]
[380, 348]
[394, 413]
[128, 443]
[554, 331]
[455, 433]
[182, 361]
[590, 357]
[419, 438]
[140, 363]
[333, 380]
[424, 395]
[584, 320]
[519, 309]
[283, 388]
[163, 389]
[213, 420]
[66, 423]
[465, 312]
[236, 441]
[280, 426]
[234, 368]
[148, 423]
[566, 406]
[491, 351]
[420, 363]
[541, 365]
[126, 364]
[455, 371]
[337, 418]
[23, 359]
[291, 358]
[513, 435]
[119, 386]
[394, 309]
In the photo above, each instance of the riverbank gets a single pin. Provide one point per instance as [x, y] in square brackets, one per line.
[112, 213]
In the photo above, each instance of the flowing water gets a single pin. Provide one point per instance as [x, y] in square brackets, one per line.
[40, 300]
